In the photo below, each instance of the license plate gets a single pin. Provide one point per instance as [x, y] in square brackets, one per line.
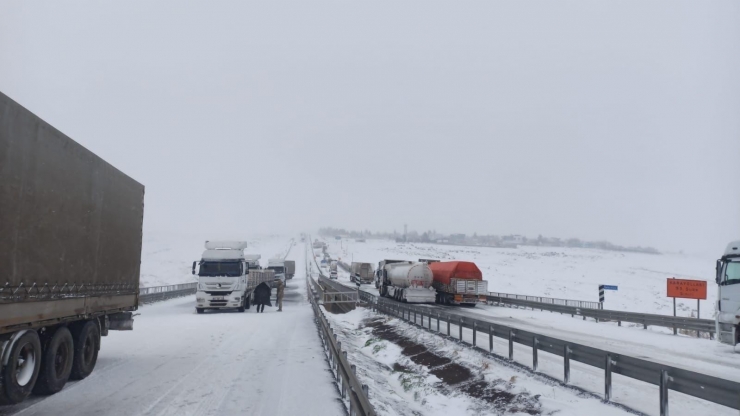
[217, 298]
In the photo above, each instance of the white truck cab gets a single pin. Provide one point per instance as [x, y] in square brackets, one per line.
[222, 276]
[728, 296]
[278, 266]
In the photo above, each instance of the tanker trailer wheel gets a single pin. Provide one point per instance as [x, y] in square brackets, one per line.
[86, 337]
[19, 376]
[56, 362]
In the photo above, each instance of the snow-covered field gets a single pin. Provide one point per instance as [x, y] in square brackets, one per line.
[569, 273]
[178, 363]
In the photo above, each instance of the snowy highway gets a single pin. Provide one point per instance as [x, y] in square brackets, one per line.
[176, 362]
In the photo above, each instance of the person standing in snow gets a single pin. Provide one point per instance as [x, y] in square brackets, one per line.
[262, 296]
[280, 292]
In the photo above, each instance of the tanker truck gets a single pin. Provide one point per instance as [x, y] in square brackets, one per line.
[405, 281]
[361, 272]
[458, 282]
[70, 250]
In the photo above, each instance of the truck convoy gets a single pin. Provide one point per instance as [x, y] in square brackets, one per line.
[225, 280]
[361, 272]
[70, 250]
[458, 283]
[728, 296]
[405, 281]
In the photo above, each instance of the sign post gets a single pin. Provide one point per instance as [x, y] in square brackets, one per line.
[686, 289]
[602, 288]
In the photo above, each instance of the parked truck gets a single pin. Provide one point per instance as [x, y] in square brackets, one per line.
[253, 260]
[225, 280]
[405, 281]
[277, 265]
[458, 282]
[289, 269]
[361, 272]
[333, 273]
[70, 250]
[728, 295]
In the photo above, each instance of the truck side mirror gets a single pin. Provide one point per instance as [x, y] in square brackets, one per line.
[719, 271]
[194, 266]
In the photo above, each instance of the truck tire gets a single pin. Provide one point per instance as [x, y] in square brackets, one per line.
[86, 337]
[248, 301]
[19, 376]
[199, 310]
[56, 362]
[243, 307]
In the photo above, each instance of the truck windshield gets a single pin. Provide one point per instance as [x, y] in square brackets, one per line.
[277, 269]
[220, 268]
[732, 273]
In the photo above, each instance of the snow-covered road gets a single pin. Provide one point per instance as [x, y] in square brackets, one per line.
[176, 362]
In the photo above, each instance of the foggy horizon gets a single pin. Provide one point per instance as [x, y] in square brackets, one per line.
[597, 121]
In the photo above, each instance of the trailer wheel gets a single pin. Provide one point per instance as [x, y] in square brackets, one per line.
[18, 377]
[199, 310]
[56, 362]
[86, 341]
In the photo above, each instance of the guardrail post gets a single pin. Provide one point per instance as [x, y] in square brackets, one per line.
[459, 326]
[475, 325]
[663, 393]
[511, 344]
[566, 364]
[366, 390]
[534, 354]
[448, 325]
[490, 338]
[608, 378]
[437, 321]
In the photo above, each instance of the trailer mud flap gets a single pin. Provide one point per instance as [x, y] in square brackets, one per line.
[123, 321]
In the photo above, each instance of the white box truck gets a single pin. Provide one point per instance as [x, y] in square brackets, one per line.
[728, 295]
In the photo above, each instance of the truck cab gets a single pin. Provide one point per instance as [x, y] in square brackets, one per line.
[278, 266]
[728, 295]
[222, 276]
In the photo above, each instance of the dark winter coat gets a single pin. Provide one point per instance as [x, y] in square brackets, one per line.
[262, 295]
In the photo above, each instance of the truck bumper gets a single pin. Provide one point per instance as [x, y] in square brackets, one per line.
[468, 299]
[227, 300]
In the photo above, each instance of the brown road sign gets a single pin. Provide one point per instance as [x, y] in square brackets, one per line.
[687, 289]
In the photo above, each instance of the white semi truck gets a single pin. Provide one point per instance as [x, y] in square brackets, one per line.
[405, 281]
[728, 295]
[277, 265]
[225, 280]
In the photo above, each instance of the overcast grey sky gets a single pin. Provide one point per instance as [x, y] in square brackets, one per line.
[600, 120]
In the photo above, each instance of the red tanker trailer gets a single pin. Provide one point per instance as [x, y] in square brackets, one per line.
[458, 282]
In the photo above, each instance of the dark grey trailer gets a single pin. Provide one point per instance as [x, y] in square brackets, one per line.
[71, 227]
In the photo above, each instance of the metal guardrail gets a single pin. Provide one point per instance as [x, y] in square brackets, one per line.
[702, 386]
[601, 315]
[158, 293]
[552, 301]
[345, 373]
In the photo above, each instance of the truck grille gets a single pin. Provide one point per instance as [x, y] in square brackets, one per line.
[218, 302]
[219, 293]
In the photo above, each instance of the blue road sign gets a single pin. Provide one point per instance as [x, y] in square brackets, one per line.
[608, 287]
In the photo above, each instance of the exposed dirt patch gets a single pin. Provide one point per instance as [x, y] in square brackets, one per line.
[454, 375]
